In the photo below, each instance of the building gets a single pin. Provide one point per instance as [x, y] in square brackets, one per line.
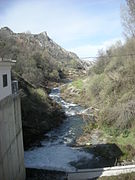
[11, 140]
[5, 77]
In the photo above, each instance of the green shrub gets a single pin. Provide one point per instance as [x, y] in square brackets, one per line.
[125, 133]
[89, 127]
[78, 84]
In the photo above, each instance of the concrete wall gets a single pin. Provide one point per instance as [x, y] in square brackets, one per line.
[11, 141]
[83, 174]
[5, 91]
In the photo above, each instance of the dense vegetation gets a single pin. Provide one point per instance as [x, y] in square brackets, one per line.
[110, 90]
[39, 113]
[110, 87]
[39, 62]
[39, 59]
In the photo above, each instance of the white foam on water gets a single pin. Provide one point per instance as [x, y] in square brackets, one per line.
[70, 113]
[55, 153]
[55, 157]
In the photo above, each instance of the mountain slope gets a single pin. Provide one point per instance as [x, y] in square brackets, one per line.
[39, 58]
[40, 61]
[39, 113]
[109, 92]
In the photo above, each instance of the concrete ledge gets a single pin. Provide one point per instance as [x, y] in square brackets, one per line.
[99, 172]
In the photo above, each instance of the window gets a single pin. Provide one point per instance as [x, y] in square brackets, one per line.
[5, 82]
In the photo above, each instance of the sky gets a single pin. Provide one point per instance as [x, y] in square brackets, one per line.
[81, 26]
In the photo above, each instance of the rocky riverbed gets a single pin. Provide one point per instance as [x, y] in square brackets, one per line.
[64, 148]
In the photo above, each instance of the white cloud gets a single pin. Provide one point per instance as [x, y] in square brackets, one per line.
[64, 21]
[69, 23]
[90, 50]
[61, 23]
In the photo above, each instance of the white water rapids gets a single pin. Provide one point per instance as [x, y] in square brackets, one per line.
[56, 152]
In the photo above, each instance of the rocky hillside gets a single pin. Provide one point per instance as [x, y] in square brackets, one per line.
[39, 113]
[39, 62]
[87, 63]
[36, 42]
[39, 59]
[109, 92]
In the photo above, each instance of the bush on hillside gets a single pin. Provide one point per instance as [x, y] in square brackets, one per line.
[111, 86]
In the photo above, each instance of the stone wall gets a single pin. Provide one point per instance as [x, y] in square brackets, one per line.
[11, 140]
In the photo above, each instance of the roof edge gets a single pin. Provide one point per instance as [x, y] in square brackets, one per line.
[9, 61]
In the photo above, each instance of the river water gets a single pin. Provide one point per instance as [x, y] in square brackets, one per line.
[56, 152]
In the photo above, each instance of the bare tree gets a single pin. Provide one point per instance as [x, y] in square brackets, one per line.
[128, 18]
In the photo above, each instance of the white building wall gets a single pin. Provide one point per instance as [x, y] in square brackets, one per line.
[5, 91]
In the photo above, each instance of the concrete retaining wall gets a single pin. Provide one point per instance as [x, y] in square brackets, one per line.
[11, 141]
[99, 172]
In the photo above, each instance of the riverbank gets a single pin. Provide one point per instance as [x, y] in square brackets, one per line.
[103, 154]
[128, 176]
[60, 150]
[94, 132]
[39, 113]
[56, 151]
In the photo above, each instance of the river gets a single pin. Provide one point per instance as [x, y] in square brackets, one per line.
[56, 152]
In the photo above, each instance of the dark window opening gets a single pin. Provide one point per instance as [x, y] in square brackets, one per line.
[5, 82]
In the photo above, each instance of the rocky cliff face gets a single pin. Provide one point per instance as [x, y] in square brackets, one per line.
[34, 43]
[57, 51]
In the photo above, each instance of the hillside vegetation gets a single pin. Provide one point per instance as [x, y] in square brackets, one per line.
[109, 89]
[39, 59]
[39, 113]
[40, 62]
[111, 86]
[108, 92]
